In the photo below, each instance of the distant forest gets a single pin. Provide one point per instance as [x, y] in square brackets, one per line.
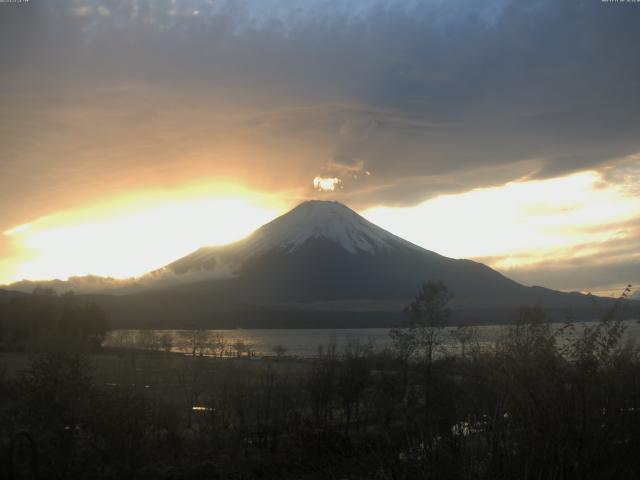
[45, 321]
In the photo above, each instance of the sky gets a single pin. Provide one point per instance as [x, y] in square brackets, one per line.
[507, 131]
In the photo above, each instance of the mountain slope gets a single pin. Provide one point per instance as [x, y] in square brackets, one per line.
[321, 264]
[308, 222]
[322, 255]
[325, 251]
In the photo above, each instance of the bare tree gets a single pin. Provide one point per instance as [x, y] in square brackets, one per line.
[191, 375]
[218, 344]
[121, 339]
[464, 335]
[196, 340]
[166, 342]
[353, 379]
[147, 340]
[428, 314]
[280, 351]
[239, 346]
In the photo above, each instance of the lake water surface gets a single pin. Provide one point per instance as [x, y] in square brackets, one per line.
[302, 342]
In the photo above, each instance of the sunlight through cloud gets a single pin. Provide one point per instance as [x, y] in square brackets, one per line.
[326, 184]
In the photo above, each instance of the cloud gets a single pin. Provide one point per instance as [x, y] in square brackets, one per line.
[326, 184]
[163, 277]
[401, 101]
[603, 267]
[419, 88]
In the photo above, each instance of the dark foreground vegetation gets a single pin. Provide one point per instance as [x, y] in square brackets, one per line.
[530, 407]
[45, 321]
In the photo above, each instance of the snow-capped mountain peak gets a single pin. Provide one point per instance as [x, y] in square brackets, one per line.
[308, 222]
[327, 220]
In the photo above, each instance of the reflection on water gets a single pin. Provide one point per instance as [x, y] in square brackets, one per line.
[296, 342]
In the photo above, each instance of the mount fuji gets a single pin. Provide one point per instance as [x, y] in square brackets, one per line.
[320, 265]
[323, 251]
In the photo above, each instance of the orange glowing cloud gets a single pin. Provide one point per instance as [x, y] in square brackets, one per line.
[129, 237]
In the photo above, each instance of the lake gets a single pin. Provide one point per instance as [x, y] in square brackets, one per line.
[300, 342]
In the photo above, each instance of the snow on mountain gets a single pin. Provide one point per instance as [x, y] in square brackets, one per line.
[321, 219]
[322, 251]
[309, 221]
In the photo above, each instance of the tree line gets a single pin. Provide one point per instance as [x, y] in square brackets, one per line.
[44, 321]
[542, 403]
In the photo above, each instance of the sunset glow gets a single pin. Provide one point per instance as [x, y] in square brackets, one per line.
[518, 224]
[123, 240]
[166, 126]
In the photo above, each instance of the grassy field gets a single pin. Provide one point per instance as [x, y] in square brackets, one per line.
[164, 371]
